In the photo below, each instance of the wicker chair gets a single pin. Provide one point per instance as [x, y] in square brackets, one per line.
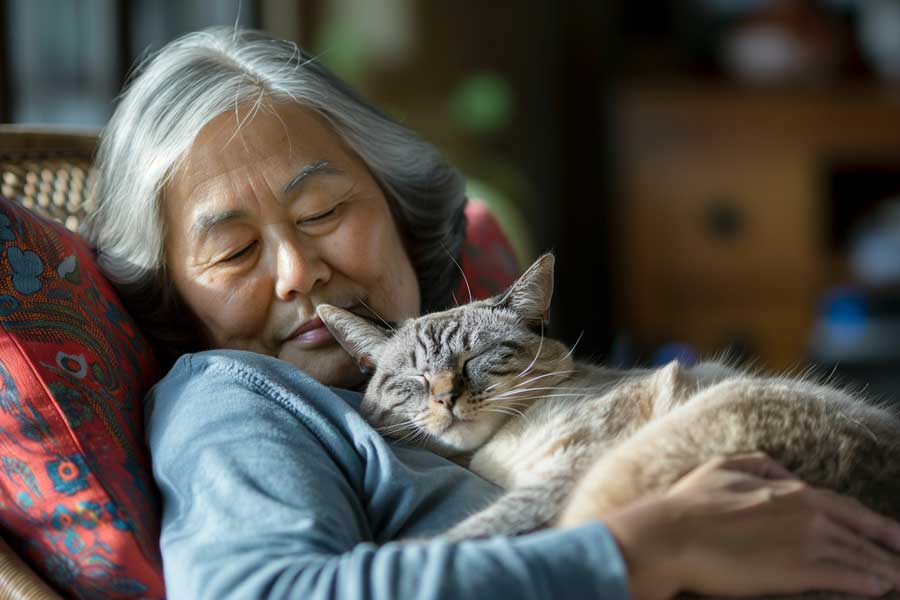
[50, 173]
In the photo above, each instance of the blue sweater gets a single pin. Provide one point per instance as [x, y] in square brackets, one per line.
[273, 486]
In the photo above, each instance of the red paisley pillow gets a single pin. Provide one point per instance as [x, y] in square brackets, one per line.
[77, 499]
[489, 263]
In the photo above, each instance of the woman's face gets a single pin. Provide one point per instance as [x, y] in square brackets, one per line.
[267, 221]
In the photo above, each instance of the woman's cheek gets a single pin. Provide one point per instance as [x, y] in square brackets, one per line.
[358, 246]
[391, 278]
[232, 306]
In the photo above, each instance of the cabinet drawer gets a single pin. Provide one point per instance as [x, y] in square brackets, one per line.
[778, 333]
[728, 226]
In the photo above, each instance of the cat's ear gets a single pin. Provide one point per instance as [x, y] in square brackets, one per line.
[530, 295]
[362, 339]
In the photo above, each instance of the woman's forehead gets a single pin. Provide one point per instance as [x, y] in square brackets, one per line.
[284, 131]
[280, 137]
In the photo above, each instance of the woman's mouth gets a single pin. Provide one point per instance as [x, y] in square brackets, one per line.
[311, 334]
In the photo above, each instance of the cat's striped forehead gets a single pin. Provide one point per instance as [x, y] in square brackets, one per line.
[462, 329]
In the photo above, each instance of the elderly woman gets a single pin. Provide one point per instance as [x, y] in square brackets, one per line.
[241, 185]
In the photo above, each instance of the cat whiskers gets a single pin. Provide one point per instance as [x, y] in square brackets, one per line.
[527, 381]
[492, 386]
[507, 402]
[538, 377]
[461, 272]
[520, 386]
[372, 310]
[416, 433]
[504, 410]
[540, 396]
[509, 408]
[572, 349]
[394, 427]
[536, 356]
[419, 438]
[412, 424]
[414, 436]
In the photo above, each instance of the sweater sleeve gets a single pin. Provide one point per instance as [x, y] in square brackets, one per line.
[263, 500]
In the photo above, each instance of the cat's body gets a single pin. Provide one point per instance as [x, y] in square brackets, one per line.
[482, 381]
[633, 433]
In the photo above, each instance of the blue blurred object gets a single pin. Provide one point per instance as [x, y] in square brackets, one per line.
[857, 325]
[683, 353]
[856, 340]
[844, 317]
[875, 246]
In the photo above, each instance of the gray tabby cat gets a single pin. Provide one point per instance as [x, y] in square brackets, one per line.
[481, 382]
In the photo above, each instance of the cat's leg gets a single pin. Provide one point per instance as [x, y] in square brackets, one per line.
[612, 483]
[520, 510]
[649, 461]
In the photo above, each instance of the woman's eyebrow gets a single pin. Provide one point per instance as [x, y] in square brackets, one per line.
[205, 223]
[319, 167]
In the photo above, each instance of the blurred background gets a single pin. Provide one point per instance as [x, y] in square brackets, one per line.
[713, 175]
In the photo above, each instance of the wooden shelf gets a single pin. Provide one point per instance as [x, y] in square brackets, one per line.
[722, 231]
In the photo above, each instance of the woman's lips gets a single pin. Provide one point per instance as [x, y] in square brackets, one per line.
[312, 334]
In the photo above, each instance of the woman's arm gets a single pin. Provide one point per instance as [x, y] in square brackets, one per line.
[268, 496]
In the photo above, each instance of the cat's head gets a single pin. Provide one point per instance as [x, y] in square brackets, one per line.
[450, 379]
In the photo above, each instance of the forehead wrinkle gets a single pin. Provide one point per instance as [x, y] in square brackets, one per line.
[198, 193]
[208, 211]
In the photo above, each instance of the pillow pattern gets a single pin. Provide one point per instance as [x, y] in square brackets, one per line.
[489, 263]
[77, 499]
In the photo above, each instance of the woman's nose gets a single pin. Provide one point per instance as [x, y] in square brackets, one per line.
[300, 267]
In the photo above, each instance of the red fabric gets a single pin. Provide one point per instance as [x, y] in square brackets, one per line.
[77, 498]
[488, 261]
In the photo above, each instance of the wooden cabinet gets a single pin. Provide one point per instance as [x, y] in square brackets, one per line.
[720, 231]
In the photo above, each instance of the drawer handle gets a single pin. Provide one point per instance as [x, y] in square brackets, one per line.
[724, 220]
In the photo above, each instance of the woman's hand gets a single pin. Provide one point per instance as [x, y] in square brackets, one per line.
[745, 526]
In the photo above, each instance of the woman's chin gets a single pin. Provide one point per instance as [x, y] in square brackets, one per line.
[330, 366]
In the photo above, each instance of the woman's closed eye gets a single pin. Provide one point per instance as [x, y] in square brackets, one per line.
[320, 217]
[242, 253]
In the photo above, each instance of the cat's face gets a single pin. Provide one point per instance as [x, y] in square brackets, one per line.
[449, 380]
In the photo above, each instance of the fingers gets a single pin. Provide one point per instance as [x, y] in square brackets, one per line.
[838, 577]
[846, 510]
[848, 548]
[747, 472]
[855, 516]
[754, 463]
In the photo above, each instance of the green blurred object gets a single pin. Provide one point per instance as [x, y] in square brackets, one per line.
[482, 104]
[341, 51]
[508, 216]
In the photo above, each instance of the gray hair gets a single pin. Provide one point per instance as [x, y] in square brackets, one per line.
[201, 76]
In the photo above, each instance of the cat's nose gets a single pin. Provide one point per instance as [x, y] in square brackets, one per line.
[443, 388]
[445, 398]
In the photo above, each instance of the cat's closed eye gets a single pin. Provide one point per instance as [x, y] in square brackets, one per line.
[469, 366]
[414, 385]
[419, 381]
[493, 363]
